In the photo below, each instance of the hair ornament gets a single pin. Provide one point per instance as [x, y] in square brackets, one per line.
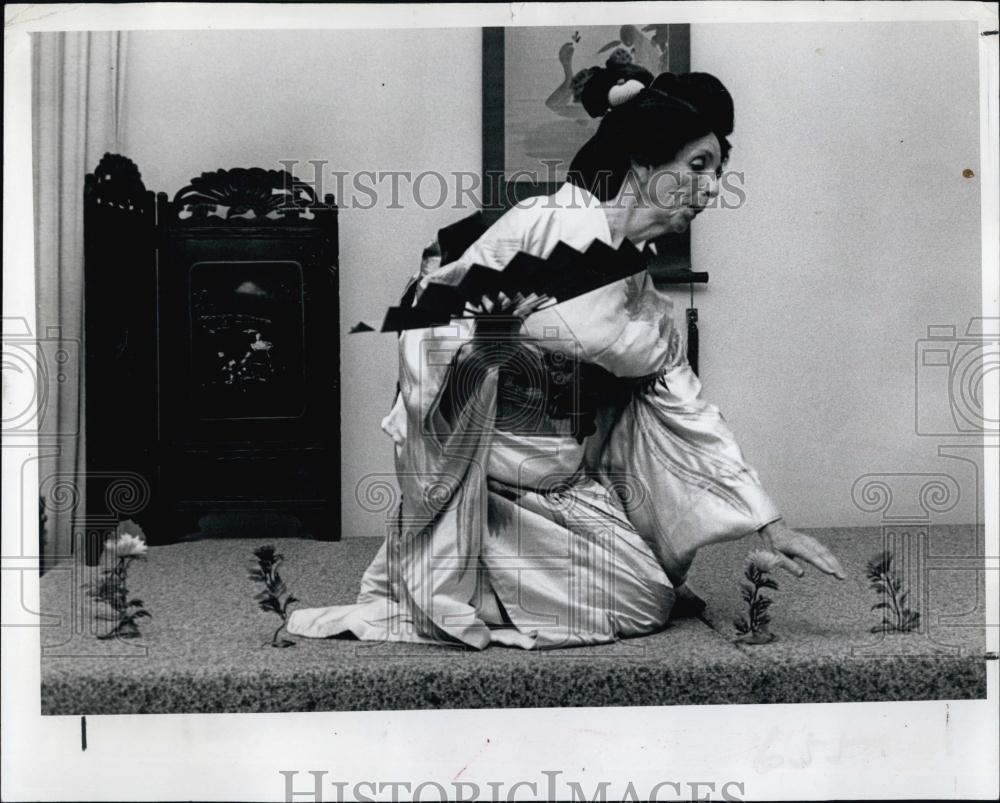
[624, 91]
[624, 81]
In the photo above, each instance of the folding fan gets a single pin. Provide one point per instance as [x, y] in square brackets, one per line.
[565, 274]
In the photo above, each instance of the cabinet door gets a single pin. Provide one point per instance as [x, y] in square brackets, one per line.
[248, 341]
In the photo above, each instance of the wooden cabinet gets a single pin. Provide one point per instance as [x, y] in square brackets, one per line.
[212, 349]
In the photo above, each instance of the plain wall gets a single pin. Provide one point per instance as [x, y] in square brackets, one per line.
[859, 229]
[360, 100]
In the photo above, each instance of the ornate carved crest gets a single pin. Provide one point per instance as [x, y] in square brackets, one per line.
[251, 194]
[117, 184]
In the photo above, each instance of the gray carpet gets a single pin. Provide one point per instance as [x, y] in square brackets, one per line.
[205, 649]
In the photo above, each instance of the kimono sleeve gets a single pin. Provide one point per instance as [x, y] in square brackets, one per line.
[682, 477]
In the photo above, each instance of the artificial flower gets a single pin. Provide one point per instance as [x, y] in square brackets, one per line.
[763, 560]
[127, 546]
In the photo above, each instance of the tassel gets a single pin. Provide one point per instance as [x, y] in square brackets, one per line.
[692, 335]
[692, 316]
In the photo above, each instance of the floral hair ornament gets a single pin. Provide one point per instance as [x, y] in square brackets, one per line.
[610, 86]
[624, 91]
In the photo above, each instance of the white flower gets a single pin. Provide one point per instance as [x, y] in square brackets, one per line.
[127, 545]
[763, 559]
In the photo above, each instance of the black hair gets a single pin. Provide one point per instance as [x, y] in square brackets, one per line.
[650, 128]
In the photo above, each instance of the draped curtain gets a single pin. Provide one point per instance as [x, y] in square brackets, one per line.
[77, 92]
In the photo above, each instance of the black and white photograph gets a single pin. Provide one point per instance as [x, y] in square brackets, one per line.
[501, 402]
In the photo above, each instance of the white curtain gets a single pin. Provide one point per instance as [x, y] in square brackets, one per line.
[77, 91]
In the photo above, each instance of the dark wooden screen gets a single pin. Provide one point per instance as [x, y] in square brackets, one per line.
[233, 347]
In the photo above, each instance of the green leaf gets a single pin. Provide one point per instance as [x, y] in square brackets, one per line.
[879, 605]
[767, 582]
[746, 593]
[142, 613]
[741, 626]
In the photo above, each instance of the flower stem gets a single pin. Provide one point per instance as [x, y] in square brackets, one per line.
[121, 590]
[274, 638]
[895, 604]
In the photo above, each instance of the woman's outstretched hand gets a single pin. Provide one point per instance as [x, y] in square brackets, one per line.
[789, 544]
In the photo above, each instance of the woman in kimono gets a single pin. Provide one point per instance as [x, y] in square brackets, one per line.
[558, 468]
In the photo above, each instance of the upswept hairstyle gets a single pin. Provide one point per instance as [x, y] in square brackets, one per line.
[654, 119]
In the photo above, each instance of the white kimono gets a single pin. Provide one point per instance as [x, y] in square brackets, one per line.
[559, 500]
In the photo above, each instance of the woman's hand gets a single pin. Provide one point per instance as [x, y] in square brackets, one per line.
[497, 335]
[518, 305]
[788, 545]
[502, 315]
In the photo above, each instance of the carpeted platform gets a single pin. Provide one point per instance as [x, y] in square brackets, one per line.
[205, 650]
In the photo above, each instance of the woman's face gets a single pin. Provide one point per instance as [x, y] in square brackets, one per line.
[679, 190]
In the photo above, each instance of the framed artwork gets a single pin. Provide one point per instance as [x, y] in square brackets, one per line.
[534, 123]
